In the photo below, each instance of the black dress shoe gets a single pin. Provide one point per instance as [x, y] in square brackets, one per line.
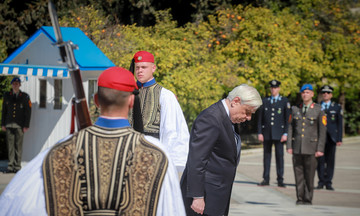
[9, 171]
[319, 187]
[329, 187]
[263, 183]
[280, 184]
[299, 202]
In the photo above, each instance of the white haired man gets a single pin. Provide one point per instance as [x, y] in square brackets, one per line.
[214, 152]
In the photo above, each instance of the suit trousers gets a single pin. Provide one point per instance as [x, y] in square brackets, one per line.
[279, 156]
[14, 140]
[326, 163]
[304, 169]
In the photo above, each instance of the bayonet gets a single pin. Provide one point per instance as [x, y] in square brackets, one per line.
[67, 55]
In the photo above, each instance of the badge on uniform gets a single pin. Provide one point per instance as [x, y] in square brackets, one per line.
[279, 110]
[324, 120]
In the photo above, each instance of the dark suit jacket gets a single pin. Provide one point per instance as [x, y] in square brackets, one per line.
[212, 161]
[16, 109]
[307, 133]
[334, 122]
[273, 118]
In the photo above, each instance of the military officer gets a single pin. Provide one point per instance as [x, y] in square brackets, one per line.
[272, 129]
[16, 113]
[326, 163]
[306, 141]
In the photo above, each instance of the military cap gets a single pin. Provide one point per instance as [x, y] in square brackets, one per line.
[306, 87]
[143, 56]
[327, 88]
[15, 79]
[117, 78]
[274, 83]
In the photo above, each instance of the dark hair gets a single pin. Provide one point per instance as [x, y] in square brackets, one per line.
[110, 97]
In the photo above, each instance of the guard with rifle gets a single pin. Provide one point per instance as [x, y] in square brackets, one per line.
[104, 169]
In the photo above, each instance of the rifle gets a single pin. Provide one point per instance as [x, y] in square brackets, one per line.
[67, 55]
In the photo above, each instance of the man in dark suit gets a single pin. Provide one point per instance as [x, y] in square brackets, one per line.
[214, 152]
[272, 129]
[326, 163]
[306, 141]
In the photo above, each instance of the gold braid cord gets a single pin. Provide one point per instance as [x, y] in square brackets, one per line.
[104, 172]
[150, 109]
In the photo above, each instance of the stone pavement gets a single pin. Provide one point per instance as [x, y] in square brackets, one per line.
[249, 199]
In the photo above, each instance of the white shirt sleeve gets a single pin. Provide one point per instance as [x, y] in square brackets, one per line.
[24, 195]
[174, 133]
[170, 200]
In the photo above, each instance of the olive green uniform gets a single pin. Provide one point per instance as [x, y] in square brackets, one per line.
[16, 113]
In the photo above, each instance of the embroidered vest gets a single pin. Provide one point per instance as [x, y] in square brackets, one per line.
[104, 172]
[150, 109]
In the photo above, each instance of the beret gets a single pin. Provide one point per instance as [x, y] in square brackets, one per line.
[143, 56]
[306, 87]
[15, 79]
[117, 78]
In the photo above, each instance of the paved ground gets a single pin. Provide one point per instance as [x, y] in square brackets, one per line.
[249, 199]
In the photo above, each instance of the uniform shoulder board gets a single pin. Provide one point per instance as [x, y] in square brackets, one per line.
[288, 105]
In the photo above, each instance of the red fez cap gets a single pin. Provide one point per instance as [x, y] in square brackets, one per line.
[117, 78]
[143, 56]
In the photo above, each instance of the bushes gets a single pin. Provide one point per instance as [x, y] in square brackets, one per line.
[202, 61]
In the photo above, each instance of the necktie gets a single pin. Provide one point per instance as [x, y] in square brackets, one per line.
[305, 108]
[237, 138]
[273, 100]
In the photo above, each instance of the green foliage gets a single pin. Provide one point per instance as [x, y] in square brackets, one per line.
[297, 42]
[4, 80]
[201, 62]
[3, 53]
[352, 119]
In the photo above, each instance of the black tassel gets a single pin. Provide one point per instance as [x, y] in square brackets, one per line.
[137, 117]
